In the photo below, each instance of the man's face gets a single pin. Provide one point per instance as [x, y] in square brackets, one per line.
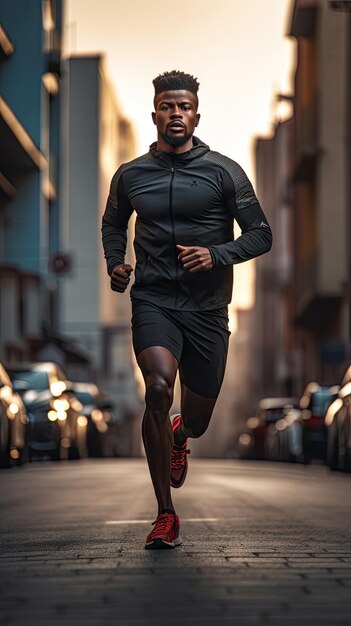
[175, 116]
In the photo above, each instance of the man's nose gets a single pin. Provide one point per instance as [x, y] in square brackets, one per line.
[177, 112]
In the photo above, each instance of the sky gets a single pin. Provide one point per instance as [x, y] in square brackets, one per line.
[238, 50]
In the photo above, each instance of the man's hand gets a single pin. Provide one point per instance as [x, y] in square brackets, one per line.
[120, 277]
[195, 258]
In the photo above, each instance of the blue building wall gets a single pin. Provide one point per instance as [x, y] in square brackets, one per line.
[31, 218]
[20, 75]
[22, 226]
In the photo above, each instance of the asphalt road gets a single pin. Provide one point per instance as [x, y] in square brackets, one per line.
[262, 544]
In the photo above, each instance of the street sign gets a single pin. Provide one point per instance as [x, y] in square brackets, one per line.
[60, 263]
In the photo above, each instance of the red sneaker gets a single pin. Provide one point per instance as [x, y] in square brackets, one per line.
[179, 459]
[165, 534]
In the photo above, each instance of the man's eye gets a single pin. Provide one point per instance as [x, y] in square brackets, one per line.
[164, 107]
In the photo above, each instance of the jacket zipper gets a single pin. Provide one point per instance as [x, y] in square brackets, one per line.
[173, 230]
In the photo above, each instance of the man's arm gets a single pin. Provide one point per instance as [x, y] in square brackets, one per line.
[114, 233]
[256, 235]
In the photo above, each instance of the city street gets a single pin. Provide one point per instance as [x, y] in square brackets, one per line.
[263, 543]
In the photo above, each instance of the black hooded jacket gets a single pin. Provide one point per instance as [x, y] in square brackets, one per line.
[189, 199]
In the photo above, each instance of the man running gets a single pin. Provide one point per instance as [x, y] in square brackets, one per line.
[186, 198]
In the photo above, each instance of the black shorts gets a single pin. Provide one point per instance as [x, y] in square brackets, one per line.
[197, 339]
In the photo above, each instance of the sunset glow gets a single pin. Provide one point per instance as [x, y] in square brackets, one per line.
[236, 48]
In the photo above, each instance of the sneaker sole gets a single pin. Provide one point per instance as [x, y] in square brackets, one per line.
[182, 480]
[160, 544]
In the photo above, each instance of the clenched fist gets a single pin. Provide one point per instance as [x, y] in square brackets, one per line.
[120, 277]
[195, 258]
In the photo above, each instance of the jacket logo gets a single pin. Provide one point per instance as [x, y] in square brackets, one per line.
[264, 224]
[194, 183]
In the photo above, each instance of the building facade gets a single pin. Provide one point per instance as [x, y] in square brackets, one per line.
[302, 172]
[30, 70]
[274, 351]
[320, 182]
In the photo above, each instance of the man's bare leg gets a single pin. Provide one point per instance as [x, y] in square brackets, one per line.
[196, 412]
[159, 369]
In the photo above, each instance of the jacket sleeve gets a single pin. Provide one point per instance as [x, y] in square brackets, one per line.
[241, 201]
[115, 222]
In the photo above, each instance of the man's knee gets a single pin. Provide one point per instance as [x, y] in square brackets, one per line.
[159, 393]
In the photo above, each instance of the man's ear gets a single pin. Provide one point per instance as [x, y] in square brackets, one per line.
[153, 115]
[197, 118]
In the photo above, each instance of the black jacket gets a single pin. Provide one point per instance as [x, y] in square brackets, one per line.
[189, 199]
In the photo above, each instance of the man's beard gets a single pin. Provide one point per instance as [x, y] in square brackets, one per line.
[176, 140]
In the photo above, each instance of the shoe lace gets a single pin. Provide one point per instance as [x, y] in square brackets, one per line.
[163, 524]
[179, 457]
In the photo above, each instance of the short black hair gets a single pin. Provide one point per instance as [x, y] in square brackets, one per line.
[174, 80]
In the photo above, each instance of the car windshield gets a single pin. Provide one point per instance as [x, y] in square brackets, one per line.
[85, 398]
[319, 402]
[29, 380]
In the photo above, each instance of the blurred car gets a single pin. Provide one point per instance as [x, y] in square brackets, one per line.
[55, 427]
[273, 413]
[284, 438]
[13, 424]
[96, 408]
[338, 425]
[314, 403]
[256, 440]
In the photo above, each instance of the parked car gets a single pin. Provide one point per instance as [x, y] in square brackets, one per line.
[257, 438]
[284, 438]
[314, 403]
[55, 428]
[338, 425]
[102, 435]
[273, 414]
[13, 424]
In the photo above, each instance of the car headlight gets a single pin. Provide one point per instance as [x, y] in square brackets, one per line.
[97, 415]
[57, 387]
[61, 404]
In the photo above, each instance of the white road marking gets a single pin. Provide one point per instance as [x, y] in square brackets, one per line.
[147, 521]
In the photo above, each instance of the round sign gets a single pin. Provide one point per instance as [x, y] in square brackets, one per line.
[60, 263]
